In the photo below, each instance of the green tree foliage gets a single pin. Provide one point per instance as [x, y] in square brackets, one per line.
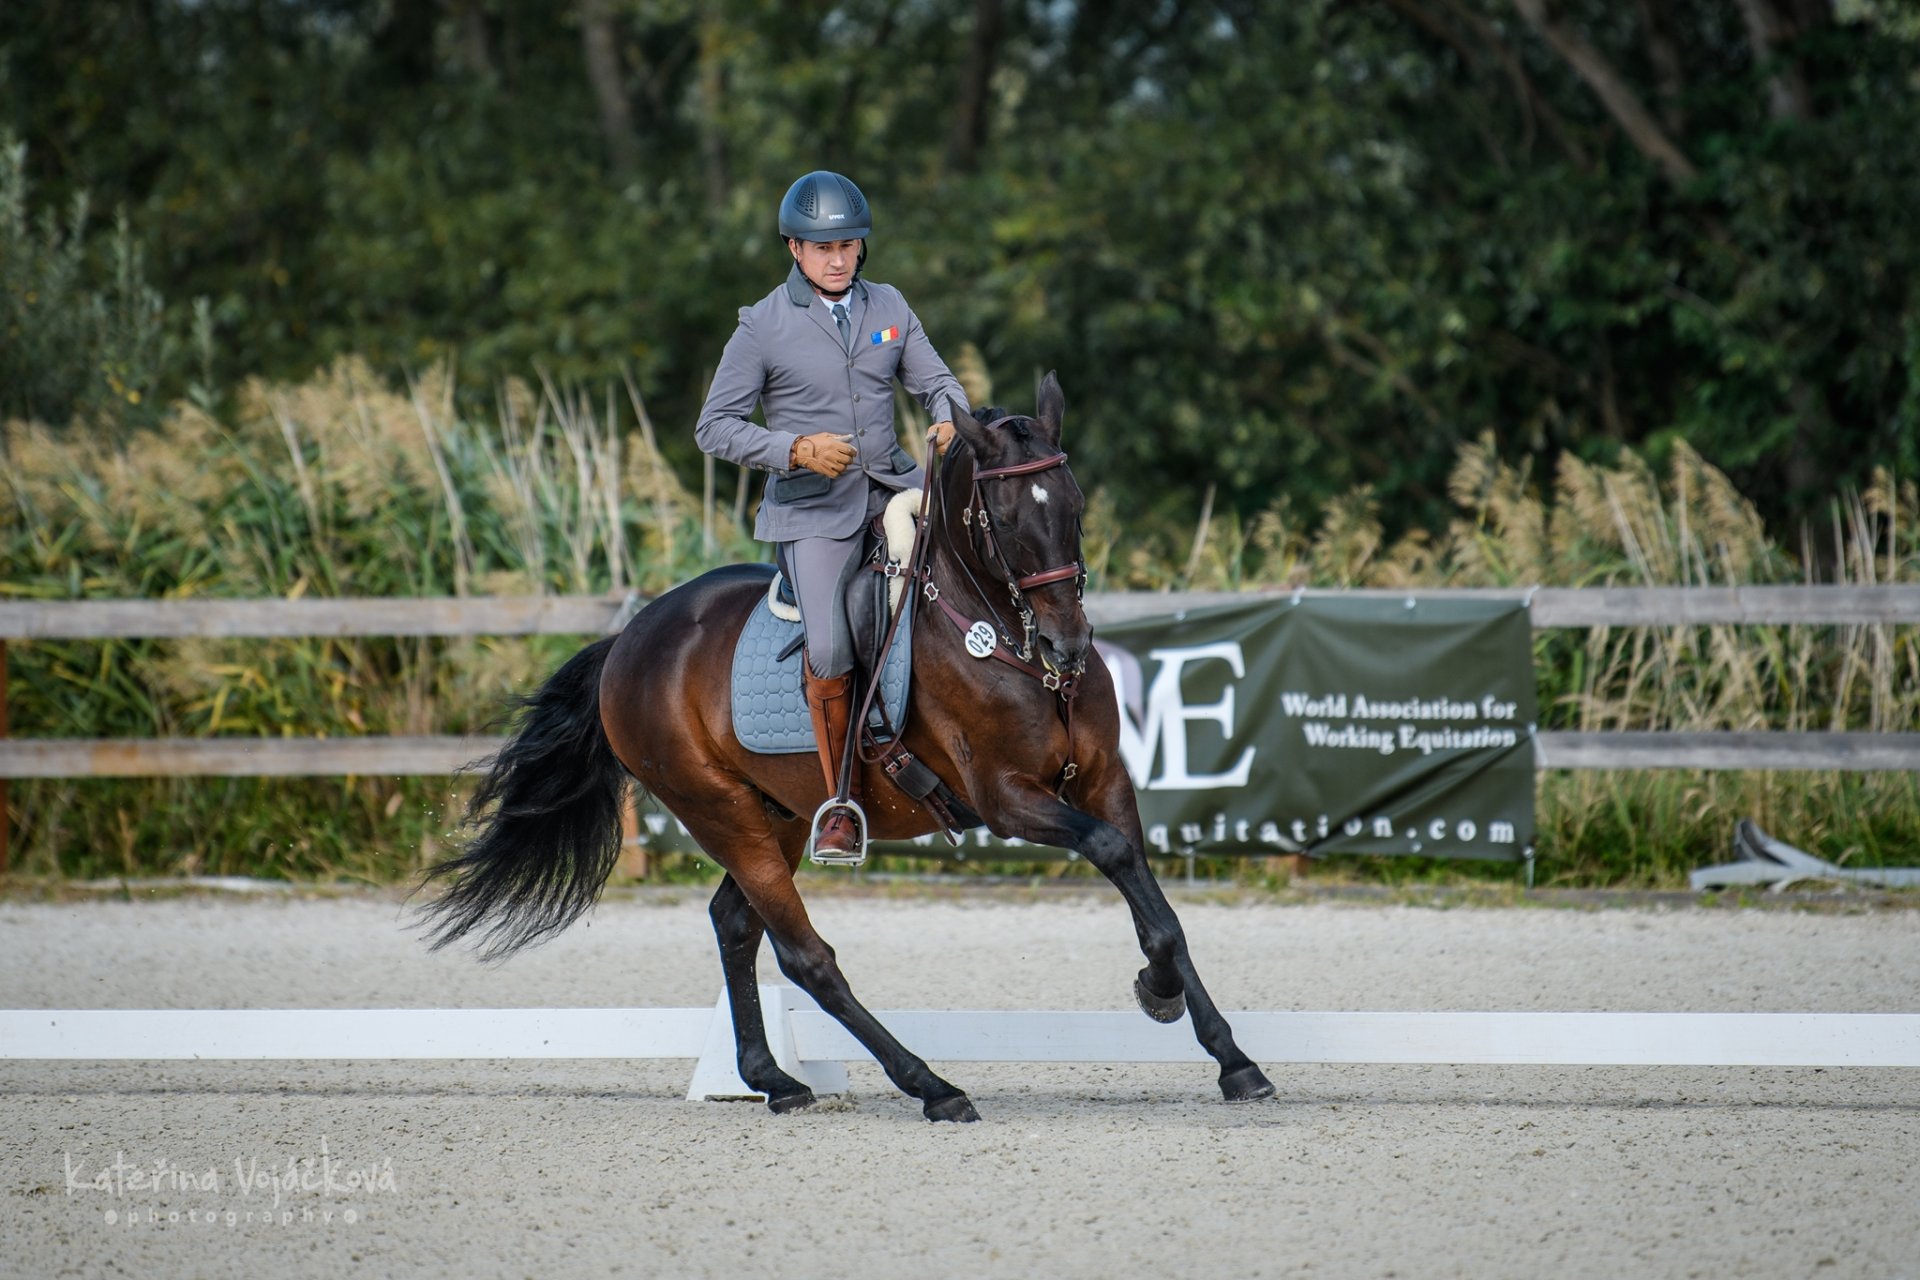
[1273, 249]
[81, 329]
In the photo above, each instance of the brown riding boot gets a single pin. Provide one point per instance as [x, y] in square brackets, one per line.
[830, 699]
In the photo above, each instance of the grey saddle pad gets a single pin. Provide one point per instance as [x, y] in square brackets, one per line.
[769, 701]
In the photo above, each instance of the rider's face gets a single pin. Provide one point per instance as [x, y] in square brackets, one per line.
[828, 267]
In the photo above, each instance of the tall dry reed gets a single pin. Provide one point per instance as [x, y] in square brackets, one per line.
[339, 486]
[344, 486]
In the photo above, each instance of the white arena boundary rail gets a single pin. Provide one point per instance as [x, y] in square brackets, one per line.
[815, 1048]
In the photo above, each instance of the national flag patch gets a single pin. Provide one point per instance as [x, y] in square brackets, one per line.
[889, 334]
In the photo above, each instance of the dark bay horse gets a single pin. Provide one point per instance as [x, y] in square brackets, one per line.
[1029, 743]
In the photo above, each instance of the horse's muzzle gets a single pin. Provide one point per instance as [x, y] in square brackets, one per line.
[1065, 657]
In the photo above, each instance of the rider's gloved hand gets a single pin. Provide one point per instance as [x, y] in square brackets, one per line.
[941, 433]
[823, 452]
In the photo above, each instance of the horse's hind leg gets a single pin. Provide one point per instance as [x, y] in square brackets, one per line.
[738, 928]
[762, 871]
[806, 958]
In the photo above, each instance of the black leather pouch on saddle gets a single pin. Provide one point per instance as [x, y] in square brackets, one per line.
[796, 485]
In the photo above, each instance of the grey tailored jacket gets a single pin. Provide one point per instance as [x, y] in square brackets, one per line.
[787, 356]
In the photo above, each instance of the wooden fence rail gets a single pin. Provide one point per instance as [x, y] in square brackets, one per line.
[441, 756]
[1549, 608]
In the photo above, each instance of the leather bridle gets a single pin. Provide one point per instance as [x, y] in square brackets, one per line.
[1065, 685]
[980, 526]
[900, 764]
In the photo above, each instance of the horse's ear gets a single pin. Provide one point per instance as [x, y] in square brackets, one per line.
[972, 431]
[1050, 406]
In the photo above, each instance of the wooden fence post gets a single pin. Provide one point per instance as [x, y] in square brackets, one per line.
[633, 850]
[1293, 866]
[6, 820]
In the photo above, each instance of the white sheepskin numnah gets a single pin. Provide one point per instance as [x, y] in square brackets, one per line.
[899, 519]
[776, 606]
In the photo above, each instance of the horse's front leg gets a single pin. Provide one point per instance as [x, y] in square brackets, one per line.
[1169, 977]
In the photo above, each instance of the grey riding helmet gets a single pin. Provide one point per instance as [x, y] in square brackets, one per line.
[823, 207]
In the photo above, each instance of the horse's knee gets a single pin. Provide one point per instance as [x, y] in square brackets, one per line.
[811, 965]
[725, 907]
[735, 923]
[1160, 944]
[1106, 848]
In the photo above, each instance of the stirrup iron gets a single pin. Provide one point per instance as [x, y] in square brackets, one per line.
[831, 858]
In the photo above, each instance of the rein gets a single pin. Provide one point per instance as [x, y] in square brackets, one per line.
[983, 638]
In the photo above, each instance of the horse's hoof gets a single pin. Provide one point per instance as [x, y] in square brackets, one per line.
[782, 1103]
[956, 1107]
[1245, 1084]
[1160, 1008]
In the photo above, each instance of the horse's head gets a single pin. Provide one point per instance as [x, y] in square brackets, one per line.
[1020, 519]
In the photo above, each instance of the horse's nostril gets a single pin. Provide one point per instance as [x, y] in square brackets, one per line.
[1064, 656]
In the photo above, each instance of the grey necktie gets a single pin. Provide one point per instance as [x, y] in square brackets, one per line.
[846, 328]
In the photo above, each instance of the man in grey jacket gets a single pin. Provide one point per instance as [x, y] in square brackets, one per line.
[819, 354]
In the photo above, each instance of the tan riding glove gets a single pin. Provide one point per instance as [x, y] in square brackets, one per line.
[823, 452]
[942, 435]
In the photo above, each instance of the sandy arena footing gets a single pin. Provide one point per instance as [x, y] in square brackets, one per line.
[483, 1168]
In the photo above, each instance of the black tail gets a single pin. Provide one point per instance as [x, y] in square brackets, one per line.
[553, 835]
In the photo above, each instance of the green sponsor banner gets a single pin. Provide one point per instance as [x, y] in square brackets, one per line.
[1331, 725]
[1325, 725]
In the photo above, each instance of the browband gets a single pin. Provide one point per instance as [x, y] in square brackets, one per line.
[1018, 468]
[1021, 468]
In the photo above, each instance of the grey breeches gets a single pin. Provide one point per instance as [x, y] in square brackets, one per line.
[814, 566]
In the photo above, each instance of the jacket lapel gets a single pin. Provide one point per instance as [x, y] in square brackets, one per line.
[801, 294]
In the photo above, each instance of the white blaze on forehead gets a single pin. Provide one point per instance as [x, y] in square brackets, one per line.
[1039, 494]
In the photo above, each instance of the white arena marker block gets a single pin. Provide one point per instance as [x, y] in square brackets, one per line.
[716, 1077]
[812, 1047]
[1494, 1039]
[151, 1034]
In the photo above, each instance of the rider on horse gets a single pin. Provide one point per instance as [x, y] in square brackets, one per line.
[819, 354]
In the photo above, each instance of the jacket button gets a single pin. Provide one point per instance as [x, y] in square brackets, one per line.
[856, 399]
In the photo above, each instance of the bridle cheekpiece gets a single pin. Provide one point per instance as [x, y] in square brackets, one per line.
[980, 527]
